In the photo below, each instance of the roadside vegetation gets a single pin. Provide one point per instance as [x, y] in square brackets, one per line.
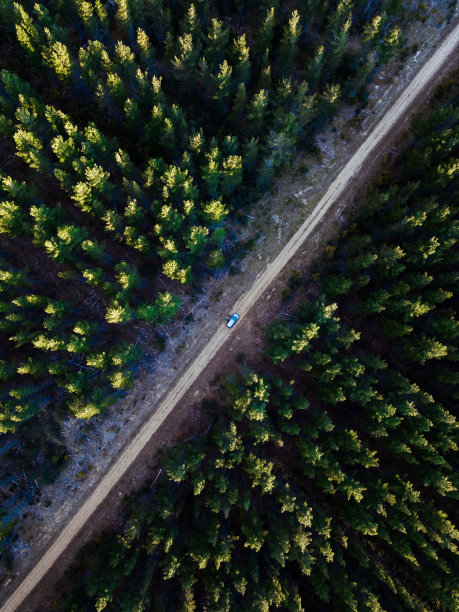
[329, 476]
[129, 132]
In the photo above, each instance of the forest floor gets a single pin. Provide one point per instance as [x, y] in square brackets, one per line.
[94, 446]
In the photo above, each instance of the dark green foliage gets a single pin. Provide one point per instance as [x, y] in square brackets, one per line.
[147, 124]
[329, 481]
[128, 132]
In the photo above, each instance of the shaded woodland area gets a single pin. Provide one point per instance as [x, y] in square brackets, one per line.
[329, 477]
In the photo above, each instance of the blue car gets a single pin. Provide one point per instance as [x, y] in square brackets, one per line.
[234, 318]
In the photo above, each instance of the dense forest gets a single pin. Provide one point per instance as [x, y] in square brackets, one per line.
[329, 477]
[129, 133]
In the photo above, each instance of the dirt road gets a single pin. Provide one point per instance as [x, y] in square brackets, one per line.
[396, 113]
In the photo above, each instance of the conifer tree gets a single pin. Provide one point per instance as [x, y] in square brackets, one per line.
[265, 35]
[289, 42]
[217, 43]
[223, 86]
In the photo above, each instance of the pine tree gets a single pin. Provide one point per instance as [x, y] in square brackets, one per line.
[391, 42]
[256, 111]
[123, 17]
[264, 38]
[337, 33]
[57, 57]
[211, 172]
[289, 42]
[223, 86]
[217, 43]
[315, 67]
[241, 53]
[27, 33]
[231, 174]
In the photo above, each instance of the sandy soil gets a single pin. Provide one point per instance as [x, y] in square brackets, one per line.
[293, 199]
